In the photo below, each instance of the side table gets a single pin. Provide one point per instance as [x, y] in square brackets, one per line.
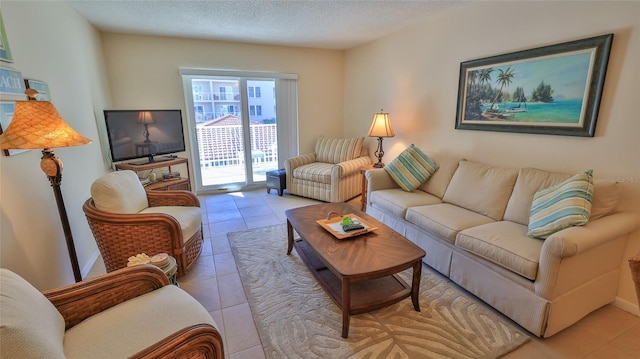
[171, 270]
[363, 198]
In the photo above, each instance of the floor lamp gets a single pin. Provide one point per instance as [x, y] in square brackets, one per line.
[380, 127]
[37, 125]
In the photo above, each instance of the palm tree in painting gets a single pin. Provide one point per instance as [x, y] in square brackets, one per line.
[485, 75]
[504, 79]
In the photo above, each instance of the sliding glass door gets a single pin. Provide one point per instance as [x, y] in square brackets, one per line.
[235, 123]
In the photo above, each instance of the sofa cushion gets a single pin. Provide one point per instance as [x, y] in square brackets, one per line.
[504, 243]
[119, 192]
[316, 172]
[396, 201]
[411, 168]
[437, 184]
[481, 188]
[30, 326]
[445, 219]
[530, 180]
[190, 218]
[129, 326]
[605, 198]
[561, 206]
[336, 150]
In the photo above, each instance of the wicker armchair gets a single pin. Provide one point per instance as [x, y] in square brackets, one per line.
[73, 321]
[126, 220]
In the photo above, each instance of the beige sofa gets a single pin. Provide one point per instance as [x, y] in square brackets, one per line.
[472, 220]
[331, 173]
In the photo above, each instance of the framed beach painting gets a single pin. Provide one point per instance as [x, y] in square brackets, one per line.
[5, 51]
[41, 87]
[7, 108]
[552, 90]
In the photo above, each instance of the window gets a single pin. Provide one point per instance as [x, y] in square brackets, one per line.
[252, 110]
[259, 110]
[258, 92]
[251, 91]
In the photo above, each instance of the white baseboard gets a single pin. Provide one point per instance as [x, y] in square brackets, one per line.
[627, 306]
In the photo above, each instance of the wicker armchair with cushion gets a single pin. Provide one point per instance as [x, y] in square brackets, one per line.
[128, 313]
[126, 220]
[331, 173]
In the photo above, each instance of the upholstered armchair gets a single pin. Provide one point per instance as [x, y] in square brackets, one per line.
[126, 220]
[331, 173]
[129, 313]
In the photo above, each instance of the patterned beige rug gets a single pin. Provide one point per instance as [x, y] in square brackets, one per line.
[297, 319]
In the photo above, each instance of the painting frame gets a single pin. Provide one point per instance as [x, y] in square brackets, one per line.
[42, 87]
[578, 67]
[5, 50]
[7, 108]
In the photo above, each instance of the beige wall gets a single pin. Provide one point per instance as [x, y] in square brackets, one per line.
[413, 74]
[143, 72]
[52, 43]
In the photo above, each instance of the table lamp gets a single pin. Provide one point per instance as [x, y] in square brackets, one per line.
[145, 118]
[380, 127]
[37, 125]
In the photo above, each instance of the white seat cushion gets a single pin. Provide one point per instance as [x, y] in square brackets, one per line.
[189, 218]
[134, 325]
[504, 243]
[315, 172]
[30, 326]
[396, 201]
[445, 219]
[119, 192]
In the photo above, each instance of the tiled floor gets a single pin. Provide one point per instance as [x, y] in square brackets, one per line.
[606, 333]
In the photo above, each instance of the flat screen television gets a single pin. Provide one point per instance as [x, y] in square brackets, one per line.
[144, 134]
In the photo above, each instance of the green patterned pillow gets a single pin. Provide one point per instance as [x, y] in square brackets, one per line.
[411, 168]
[561, 206]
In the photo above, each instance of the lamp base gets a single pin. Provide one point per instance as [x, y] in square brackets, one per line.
[378, 165]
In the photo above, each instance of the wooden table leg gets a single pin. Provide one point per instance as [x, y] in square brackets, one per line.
[415, 285]
[346, 306]
[289, 237]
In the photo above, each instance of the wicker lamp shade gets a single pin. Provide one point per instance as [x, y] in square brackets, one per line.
[37, 124]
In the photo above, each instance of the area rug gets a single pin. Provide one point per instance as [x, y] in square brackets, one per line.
[295, 318]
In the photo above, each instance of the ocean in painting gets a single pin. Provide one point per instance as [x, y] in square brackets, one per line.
[558, 111]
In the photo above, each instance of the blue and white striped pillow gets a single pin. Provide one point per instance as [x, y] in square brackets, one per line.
[561, 206]
[411, 168]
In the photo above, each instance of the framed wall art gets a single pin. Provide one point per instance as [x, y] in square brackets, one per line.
[11, 82]
[5, 51]
[41, 87]
[552, 90]
[7, 108]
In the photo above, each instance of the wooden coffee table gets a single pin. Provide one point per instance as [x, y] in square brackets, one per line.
[358, 273]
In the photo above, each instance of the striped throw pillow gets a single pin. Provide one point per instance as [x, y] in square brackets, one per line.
[411, 168]
[561, 206]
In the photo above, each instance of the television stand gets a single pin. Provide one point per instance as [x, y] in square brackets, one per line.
[180, 183]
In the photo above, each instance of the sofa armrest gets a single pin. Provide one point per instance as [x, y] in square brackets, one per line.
[172, 198]
[575, 240]
[379, 179]
[84, 299]
[576, 255]
[351, 167]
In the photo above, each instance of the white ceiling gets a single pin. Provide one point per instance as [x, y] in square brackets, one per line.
[329, 24]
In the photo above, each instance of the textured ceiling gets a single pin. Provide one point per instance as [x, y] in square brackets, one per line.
[331, 24]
